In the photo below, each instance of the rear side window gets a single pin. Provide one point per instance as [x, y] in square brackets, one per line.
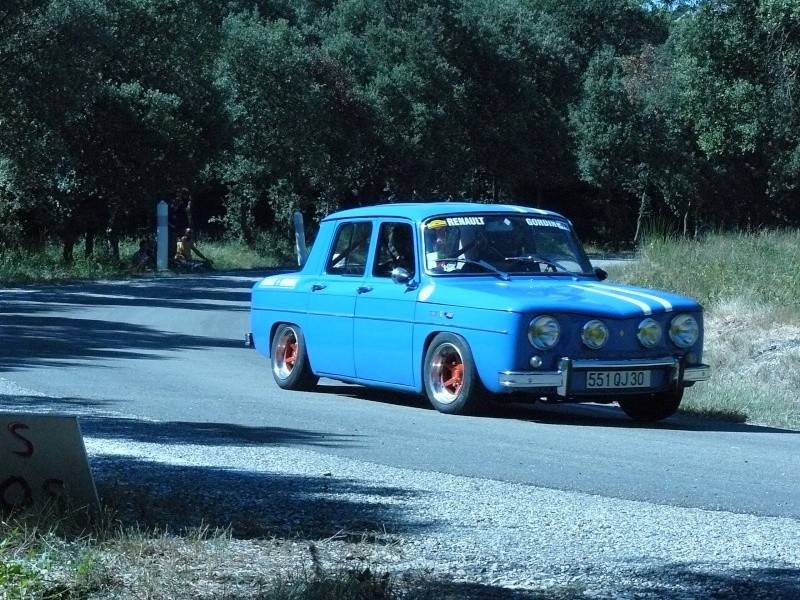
[350, 248]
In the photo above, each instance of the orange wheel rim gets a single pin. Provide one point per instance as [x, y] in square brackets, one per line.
[453, 376]
[446, 376]
[286, 353]
[290, 354]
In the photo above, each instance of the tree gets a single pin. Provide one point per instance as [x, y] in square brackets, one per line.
[611, 134]
[780, 22]
[264, 74]
[718, 98]
[518, 81]
[394, 55]
[107, 122]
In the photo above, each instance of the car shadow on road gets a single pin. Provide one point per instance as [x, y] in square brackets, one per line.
[566, 414]
[610, 415]
[368, 394]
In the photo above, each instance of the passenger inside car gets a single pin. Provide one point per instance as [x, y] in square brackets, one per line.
[396, 249]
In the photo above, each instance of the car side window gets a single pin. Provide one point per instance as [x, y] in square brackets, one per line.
[350, 248]
[395, 249]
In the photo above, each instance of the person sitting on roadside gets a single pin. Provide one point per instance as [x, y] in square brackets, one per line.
[184, 251]
[142, 259]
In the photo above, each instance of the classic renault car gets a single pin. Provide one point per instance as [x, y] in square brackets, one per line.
[468, 302]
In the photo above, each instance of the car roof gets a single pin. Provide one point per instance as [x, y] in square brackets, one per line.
[419, 211]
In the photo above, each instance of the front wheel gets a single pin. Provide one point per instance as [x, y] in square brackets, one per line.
[290, 366]
[652, 407]
[451, 381]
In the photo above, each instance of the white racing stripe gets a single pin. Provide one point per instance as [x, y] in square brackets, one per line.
[665, 303]
[644, 307]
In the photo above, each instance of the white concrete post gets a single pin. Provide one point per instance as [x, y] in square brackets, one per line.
[300, 238]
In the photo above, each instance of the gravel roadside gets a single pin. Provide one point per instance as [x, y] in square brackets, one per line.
[498, 540]
[498, 536]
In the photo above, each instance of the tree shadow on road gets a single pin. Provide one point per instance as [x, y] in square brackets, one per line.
[195, 292]
[208, 434]
[48, 325]
[250, 504]
[689, 580]
[40, 341]
[116, 428]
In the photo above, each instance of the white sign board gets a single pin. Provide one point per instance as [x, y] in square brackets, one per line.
[42, 458]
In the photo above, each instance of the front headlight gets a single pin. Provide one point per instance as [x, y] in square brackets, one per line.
[594, 334]
[649, 333]
[684, 330]
[543, 332]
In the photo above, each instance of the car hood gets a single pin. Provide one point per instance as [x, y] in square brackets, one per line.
[554, 294]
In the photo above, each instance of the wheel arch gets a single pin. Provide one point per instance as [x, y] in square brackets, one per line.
[273, 330]
[426, 344]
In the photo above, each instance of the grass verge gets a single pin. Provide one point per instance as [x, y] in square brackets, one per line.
[21, 267]
[750, 288]
[47, 554]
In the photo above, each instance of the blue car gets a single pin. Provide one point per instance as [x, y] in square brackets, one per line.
[466, 303]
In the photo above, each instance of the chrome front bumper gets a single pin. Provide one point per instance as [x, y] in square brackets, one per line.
[561, 380]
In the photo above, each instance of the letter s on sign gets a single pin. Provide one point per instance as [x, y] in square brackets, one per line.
[13, 429]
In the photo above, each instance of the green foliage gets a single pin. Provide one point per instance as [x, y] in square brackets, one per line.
[244, 112]
[20, 267]
[758, 269]
[19, 581]
[266, 78]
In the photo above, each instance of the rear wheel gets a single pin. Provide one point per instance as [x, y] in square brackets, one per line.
[451, 381]
[290, 366]
[652, 407]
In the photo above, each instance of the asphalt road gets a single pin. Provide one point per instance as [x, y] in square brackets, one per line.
[163, 359]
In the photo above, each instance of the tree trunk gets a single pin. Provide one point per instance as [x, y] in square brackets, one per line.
[69, 246]
[88, 250]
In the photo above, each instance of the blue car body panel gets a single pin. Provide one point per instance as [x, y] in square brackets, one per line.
[369, 329]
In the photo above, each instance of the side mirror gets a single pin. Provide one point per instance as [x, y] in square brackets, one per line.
[600, 274]
[401, 276]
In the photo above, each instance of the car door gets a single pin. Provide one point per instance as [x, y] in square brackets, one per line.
[329, 335]
[384, 310]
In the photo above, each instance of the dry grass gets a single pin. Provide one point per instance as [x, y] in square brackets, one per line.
[755, 356]
[750, 288]
[45, 554]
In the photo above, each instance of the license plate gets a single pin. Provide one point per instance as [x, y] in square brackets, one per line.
[617, 379]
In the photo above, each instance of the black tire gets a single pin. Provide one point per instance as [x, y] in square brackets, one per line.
[289, 357]
[652, 407]
[451, 381]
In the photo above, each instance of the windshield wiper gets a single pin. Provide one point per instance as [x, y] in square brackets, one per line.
[539, 260]
[480, 263]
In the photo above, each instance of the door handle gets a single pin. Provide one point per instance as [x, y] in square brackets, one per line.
[363, 289]
[317, 287]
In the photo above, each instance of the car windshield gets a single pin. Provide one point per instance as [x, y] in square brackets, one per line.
[503, 244]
